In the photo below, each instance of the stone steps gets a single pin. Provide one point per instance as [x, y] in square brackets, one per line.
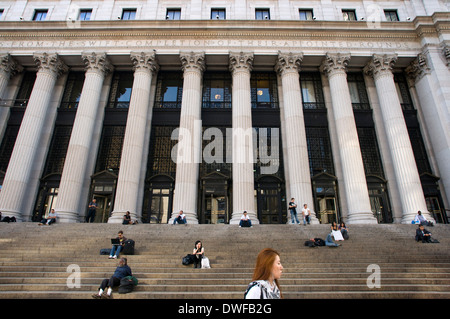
[32, 268]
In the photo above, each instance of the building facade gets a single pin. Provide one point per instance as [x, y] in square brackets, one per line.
[219, 107]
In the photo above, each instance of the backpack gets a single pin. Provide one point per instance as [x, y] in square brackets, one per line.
[128, 247]
[127, 284]
[187, 260]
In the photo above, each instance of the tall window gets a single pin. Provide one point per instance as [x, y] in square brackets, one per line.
[306, 14]
[160, 159]
[85, 14]
[72, 91]
[40, 15]
[264, 90]
[216, 90]
[58, 150]
[358, 93]
[120, 94]
[262, 14]
[173, 14]
[110, 149]
[369, 151]
[403, 92]
[129, 14]
[349, 15]
[25, 89]
[218, 14]
[312, 94]
[391, 15]
[319, 150]
[169, 90]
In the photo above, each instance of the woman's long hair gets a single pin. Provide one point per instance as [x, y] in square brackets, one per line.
[264, 264]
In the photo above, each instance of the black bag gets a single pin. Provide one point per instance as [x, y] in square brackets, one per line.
[127, 284]
[188, 259]
[105, 251]
[128, 247]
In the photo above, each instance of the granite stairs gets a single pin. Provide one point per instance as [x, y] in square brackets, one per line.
[378, 261]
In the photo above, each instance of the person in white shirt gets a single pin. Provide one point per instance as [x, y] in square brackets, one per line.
[180, 219]
[420, 219]
[268, 271]
[306, 214]
[245, 220]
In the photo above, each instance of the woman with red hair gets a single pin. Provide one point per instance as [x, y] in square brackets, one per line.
[267, 271]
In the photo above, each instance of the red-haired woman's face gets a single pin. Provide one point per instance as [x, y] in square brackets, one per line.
[277, 268]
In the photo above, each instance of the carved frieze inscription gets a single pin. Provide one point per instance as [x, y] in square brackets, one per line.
[233, 44]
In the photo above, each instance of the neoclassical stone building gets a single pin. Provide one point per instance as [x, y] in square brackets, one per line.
[216, 107]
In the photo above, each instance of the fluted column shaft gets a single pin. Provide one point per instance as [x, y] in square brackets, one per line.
[23, 156]
[127, 193]
[242, 141]
[79, 150]
[288, 66]
[407, 176]
[354, 179]
[189, 138]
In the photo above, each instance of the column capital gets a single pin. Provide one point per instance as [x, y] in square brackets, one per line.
[288, 62]
[240, 61]
[380, 65]
[193, 61]
[97, 62]
[50, 62]
[335, 63]
[144, 61]
[9, 66]
[418, 68]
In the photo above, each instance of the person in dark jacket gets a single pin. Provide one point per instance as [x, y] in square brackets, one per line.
[123, 270]
[423, 235]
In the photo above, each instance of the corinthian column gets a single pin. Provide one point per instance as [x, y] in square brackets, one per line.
[242, 143]
[8, 68]
[189, 138]
[288, 66]
[127, 192]
[354, 179]
[404, 164]
[24, 154]
[79, 150]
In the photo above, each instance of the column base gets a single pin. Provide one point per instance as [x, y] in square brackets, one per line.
[67, 217]
[362, 218]
[17, 215]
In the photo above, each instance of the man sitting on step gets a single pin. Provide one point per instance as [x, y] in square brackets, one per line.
[123, 270]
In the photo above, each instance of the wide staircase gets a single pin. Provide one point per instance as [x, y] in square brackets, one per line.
[38, 261]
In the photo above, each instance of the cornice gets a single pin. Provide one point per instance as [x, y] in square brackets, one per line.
[220, 29]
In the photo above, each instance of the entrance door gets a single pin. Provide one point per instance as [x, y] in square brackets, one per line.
[379, 201]
[103, 208]
[216, 211]
[160, 206]
[214, 206]
[327, 210]
[269, 206]
[434, 208]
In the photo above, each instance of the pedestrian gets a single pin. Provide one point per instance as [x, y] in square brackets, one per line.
[180, 219]
[91, 211]
[116, 248]
[245, 220]
[268, 271]
[306, 213]
[122, 270]
[198, 253]
[51, 218]
[293, 211]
